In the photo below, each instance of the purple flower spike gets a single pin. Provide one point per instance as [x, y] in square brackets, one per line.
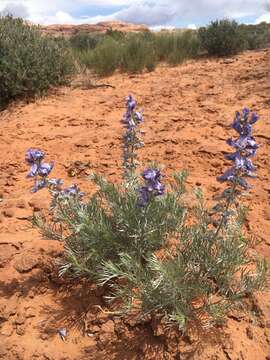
[245, 146]
[132, 140]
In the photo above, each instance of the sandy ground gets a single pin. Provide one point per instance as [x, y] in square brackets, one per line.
[188, 112]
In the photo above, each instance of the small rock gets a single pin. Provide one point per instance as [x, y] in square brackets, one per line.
[23, 214]
[108, 327]
[91, 346]
[6, 329]
[249, 332]
[37, 204]
[94, 329]
[26, 263]
[8, 213]
[21, 204]
[20, 319]
[30, 312]
[20, 330]
[44, 336]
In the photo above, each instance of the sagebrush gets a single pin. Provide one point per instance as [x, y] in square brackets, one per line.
[29, 62]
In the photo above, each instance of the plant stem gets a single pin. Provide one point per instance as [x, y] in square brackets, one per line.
[224, 215]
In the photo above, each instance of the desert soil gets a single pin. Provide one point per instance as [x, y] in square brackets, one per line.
[188, 111]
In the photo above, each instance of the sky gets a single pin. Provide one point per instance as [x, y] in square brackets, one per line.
[154, 13]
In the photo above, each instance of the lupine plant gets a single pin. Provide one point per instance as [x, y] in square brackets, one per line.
[143, 241]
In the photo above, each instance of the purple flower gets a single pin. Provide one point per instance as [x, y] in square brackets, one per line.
[34, 155]
[139, 117]
[130, 103]
[245, 146]
[152, 187]
[44, 169]
[151, 174]
[246, 112]
[33, 171]
[132, 141]
[74, 191]
[55, 182]
[254, 118]
[242, 122]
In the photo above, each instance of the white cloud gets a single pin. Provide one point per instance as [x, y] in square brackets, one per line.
[262, 18]
[192, 27]
[151, 12]
[15, 9]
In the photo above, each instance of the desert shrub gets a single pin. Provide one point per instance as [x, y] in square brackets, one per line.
[222, 38]
[29, 62]
[104, 59]
[138, 53]
[84, 41]
[185, 46]
[152, 246]
[164, 45]
[115, 34]
[256, 36]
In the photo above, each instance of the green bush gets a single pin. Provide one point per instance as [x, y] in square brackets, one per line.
[222, 38]
[185, 46]
[164, 45]
[84, 41]
[256, 36]
[105, 58]
[29, 62]
[138, 53]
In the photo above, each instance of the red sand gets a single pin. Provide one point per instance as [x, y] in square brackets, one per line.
[188, 111]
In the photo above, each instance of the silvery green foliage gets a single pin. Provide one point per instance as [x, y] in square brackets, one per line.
[112, 223]
[199, 281]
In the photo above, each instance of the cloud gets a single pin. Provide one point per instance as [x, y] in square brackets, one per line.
[262, 18]
[169, 11]
[153, 13]
[15, 9]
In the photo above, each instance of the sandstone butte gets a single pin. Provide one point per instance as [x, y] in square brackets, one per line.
[101, 27]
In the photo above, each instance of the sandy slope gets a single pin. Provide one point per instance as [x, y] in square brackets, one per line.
[188, 111]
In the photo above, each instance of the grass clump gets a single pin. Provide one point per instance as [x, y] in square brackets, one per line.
[185, 46]
[29, 62]
[256, 36]
[138, 53]
[222, 38]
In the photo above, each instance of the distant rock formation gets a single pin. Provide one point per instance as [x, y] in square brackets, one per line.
[101, 27]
